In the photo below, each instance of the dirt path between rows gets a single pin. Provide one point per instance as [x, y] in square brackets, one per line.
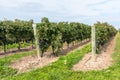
[103, 60]
[32, 62]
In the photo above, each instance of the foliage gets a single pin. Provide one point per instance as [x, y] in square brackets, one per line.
[49, 33]
[55, 39]
[55, 34]
[15, 32]
[74, 31]
[104, 32]
[42, 33]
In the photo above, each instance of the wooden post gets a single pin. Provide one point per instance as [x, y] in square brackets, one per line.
[93, 43]
[36, 41]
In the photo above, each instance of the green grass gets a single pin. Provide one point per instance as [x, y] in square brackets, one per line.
[1, 48]
[5, 70]
[55, 71]
[15, 46]
[60, 71]
[112, 73]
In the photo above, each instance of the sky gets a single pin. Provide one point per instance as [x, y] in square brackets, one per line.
[84, 11]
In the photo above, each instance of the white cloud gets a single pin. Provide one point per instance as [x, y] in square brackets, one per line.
[69, 7]
[79, 10]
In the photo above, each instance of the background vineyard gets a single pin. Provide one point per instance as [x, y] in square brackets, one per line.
[49, 33]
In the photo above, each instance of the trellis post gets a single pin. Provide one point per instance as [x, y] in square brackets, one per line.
[36, 40]
[93, 42]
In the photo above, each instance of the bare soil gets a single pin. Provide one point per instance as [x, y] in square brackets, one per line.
[102, 61]
[32, 62]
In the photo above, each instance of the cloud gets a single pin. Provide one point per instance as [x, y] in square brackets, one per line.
[88, 11]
